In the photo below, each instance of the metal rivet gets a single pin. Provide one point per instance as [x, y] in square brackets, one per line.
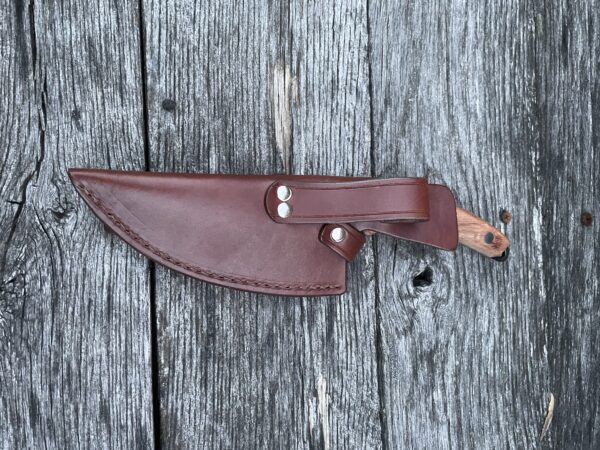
[338, 234]
[284, 210]
[284, 193]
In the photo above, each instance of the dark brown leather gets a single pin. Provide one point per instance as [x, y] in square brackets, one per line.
[348, 247]
[441, 230]
[394, 199]
[216, 228]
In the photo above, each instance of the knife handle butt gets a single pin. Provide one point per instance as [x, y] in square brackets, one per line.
[480, 236]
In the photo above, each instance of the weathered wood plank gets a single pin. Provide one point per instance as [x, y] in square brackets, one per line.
[74, 306]
[501, 102]
[463, 344]
[568, 61]
[257, 87]
[331, 135]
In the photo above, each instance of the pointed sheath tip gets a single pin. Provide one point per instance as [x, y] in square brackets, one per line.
[78, 175]
[74, 174]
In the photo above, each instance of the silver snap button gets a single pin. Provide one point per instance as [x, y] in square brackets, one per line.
[284, 210]
[338, 234]
[284, 193]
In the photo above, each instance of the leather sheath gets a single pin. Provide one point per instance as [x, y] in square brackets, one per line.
[227, 229]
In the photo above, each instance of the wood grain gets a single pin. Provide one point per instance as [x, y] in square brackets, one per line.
[74, 310]
[479, 235]
[463, 339]
[568, 62]
[428, 349]
[262, 88]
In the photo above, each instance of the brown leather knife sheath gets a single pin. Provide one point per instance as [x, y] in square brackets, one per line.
[275, 234]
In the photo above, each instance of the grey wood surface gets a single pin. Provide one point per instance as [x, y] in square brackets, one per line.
[568, 60]
[74, 306]
[465, 358]
[428, 349]
[243, 370]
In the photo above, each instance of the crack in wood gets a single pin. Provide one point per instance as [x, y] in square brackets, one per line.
[41, 130]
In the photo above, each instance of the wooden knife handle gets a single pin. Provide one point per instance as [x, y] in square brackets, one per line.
[479, 235]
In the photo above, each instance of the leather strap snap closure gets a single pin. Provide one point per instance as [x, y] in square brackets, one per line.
[395, 199]
[343, 239]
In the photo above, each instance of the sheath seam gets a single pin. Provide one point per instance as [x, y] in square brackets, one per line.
[336, 186]
[116, 220]
[357, 215]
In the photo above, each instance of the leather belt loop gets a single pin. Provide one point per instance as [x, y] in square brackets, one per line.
[396, 199]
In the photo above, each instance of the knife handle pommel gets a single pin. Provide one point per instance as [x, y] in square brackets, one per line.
[480, 236]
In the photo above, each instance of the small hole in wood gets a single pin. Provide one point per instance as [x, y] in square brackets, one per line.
[169, 105]
[586, 218]
[423, 279]
[505, 216]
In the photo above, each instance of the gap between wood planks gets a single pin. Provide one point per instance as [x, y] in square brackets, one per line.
[378, 334]
[284, 93]
[154, 360]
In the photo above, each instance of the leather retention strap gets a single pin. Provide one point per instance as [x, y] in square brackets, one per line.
[441, 230]
[349, 242]
[394, 199]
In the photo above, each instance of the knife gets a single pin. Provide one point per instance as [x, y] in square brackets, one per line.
[275, 234]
